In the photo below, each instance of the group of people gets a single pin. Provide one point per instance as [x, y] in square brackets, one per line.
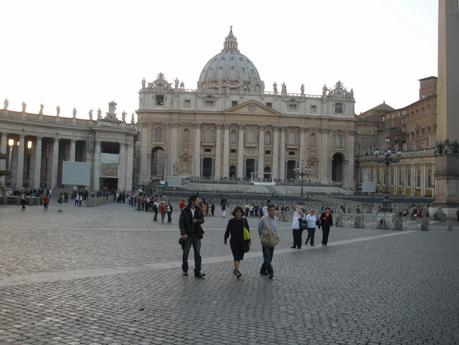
[310, 222]
[238, 232]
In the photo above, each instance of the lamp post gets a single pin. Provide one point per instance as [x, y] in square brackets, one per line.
[387, 159]
[302, 171]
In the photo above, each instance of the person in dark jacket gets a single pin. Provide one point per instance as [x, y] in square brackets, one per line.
[325, 222]
[235, 228]
[190, 221]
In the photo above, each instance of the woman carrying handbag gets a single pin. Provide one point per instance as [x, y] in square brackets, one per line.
[238, 228]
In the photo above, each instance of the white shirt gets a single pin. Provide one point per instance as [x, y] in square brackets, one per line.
[192, 211]
[296, 218]
[311, 219]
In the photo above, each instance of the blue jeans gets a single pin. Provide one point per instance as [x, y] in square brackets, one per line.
[190, 241]
[268, 253]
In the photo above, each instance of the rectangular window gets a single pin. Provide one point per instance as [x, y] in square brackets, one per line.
[233, 103]
[209, 103]
[313, 109]
[292, 107]
[339, 108]
[233, 151]
[187, 103]
[269, 104]
[207, 150]
[159, 99]
[291, 153]
[267, 152]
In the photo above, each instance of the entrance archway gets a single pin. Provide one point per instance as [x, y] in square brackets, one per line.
[249, 168]
[158, 162]
[267, 173]
[291, 173]
[338, 167]
[207, 168]
[232, 171]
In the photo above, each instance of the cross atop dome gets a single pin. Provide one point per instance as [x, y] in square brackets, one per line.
[230, 42]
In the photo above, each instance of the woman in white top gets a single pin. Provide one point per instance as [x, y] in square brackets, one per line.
[311, 219]
[297, 229]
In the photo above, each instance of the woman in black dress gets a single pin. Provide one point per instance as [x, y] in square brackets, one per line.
[235, 229]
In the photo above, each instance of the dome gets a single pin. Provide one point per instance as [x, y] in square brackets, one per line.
[230, 70]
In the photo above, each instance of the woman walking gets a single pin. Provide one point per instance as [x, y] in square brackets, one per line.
[45, 202]
[297, 229]
[235, 228]
[311, 220]
[325, 222]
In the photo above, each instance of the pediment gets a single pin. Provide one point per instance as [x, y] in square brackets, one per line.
[251, 107]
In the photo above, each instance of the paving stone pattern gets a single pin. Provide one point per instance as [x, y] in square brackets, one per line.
[392, 290]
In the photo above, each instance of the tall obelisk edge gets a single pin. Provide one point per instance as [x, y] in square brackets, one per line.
[447, 162]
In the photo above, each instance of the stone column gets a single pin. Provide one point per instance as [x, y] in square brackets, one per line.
[20, 164]
[324, 161]
[145, 153]
[72, 150]
[218, 152]
[173, 170]
[96, 168]
[55, 163]
[122, 168]
[302, 158]
[349, 174]
[129, 167]
[3, 143]
[261, 150]
[282, 154]
[197, 151]
[423, 180]
[240, 153]
[413, 179]
[37, 164]
[226, 148]
[275, 152]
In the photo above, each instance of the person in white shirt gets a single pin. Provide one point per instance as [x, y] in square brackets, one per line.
[311, 220]
[297, 229]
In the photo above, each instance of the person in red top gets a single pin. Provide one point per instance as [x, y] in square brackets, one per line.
[325, 222]
[182, 204]
[45, 202]
[162, 210]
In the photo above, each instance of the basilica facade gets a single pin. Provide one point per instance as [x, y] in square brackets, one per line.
[230, 127]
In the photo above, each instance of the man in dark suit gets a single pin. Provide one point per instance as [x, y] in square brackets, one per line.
[191, 233]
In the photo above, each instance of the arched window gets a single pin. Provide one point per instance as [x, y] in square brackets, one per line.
[251, 136]
[233, 137]
[312, 140]
[291, 137]
[338, 140]
[208, 137]
[186, 135]
[158, 134]
[268, 138]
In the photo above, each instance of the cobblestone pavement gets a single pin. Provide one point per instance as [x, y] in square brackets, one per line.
[109, 275]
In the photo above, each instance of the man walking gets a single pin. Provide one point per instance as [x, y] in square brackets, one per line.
[268, 223]
[191, 233]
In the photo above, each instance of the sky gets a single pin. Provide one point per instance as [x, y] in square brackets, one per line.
[84, 54]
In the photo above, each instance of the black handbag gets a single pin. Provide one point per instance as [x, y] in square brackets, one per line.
[246, 246]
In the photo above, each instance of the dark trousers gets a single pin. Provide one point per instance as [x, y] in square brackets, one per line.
[325, 232]
[169, 217]
[155, 218]
[197, 254]
[311, 233]
[268, 253]
[297, 237]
